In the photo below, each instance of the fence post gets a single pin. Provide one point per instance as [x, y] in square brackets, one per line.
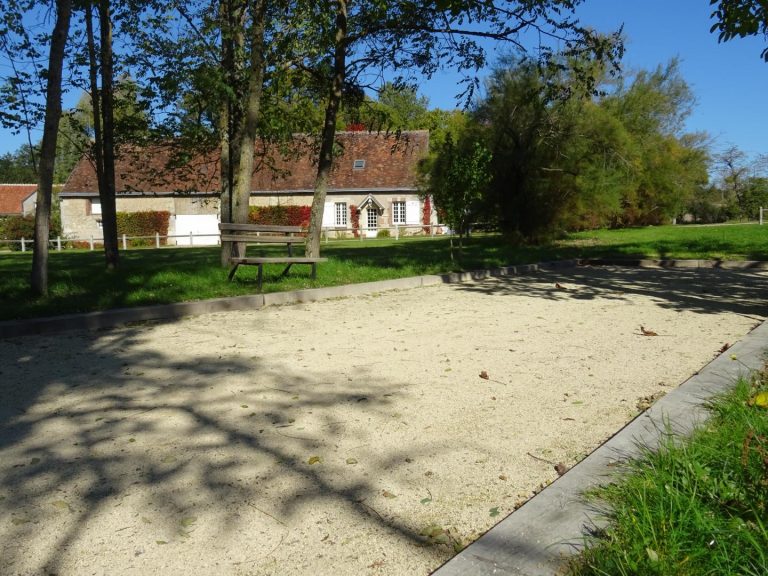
[91, 242]
[397, 232]
[761, 215]
[191, 240]
[23, 244]
[125, 243]
[58, 243]
[157, 239]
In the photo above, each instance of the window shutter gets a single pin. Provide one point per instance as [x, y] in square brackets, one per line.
[412, 212]
[329, 215]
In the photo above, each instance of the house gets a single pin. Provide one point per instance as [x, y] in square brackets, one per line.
[17, 199]
[374, 174]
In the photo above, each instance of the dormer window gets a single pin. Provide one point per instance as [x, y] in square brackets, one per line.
[358, 164]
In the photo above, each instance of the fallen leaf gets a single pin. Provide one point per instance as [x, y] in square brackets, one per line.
[724, 348]
[425, 500]
[432, 531]
[20, 521]
[314, 460]
[502, 477]
[160, 542]
[645, 332]
[484, 375]
[560, 286]
[243, 405]
[760, 399]
[351, 461]
[653, 556]
[61, 505]
[34, 461]
[494, 511]
[387, 494]
[188, 521]
[561, 468]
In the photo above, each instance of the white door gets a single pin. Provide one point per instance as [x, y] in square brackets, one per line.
[372, 222]
[204, 229]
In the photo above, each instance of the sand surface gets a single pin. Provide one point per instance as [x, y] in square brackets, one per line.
[350, 436]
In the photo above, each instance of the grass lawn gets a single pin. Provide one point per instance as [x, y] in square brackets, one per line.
[78, 282]
[695, 507]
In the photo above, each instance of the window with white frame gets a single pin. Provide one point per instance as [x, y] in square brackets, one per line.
[341, 214]
[96, 207]
[398, 212]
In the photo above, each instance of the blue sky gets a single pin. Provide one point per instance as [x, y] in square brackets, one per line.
[730, 80]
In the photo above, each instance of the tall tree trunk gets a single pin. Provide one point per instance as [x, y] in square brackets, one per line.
[39, 279]
[107, 193]
[93, 71]
[240, 204]
[230, 117]
[325, 163]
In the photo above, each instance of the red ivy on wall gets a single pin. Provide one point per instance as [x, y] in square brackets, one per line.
[280, 215]
[427, 215]
[354, 215]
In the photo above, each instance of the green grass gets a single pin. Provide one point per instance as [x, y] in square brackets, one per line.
[78, 282]
[695, 507]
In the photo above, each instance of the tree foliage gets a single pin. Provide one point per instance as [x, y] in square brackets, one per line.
[739, 19]
[564, 157]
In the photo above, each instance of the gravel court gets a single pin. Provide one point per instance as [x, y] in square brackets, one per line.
[348, 436]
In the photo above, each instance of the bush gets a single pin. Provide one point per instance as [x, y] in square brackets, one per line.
[16, 228]
[384, 233]
[280, 215]
[707, 212]
[145, 223]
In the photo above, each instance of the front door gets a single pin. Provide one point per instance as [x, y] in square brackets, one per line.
[372, 222]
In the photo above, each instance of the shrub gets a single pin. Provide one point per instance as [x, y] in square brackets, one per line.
[145, 223]
[16, 228]
[383, 233]
[280, 215]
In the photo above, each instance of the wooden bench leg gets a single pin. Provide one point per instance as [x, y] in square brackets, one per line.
[258, 283]
[314, 270]
[287, 268]
[232, 272]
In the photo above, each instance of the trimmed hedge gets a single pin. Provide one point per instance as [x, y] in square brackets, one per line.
[18, 227]
[280, 215]
[145, 223]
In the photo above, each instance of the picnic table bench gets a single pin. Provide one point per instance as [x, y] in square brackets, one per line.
[266, 234]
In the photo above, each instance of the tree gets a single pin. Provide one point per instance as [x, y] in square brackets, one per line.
[457, 177]
[365, 39]
[48, 147]
[740, 18]
[19, 166]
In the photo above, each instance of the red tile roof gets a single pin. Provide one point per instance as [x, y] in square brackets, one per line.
[13, 195]
[390, 164]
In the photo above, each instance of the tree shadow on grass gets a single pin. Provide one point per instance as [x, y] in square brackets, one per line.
[113, 450]
[699, 290]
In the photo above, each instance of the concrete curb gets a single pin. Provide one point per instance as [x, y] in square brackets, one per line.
[535, 539]
[119, 316]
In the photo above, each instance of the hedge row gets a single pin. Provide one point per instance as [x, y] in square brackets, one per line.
[280, 215]
[145, 223]
[18, 227]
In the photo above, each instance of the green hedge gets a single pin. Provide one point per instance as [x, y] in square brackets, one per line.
[280, 215]
[145, 223]
[18, 227]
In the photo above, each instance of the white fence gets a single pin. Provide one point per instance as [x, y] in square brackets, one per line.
[186, 240]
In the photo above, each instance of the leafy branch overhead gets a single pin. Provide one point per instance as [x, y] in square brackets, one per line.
[740, 19]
